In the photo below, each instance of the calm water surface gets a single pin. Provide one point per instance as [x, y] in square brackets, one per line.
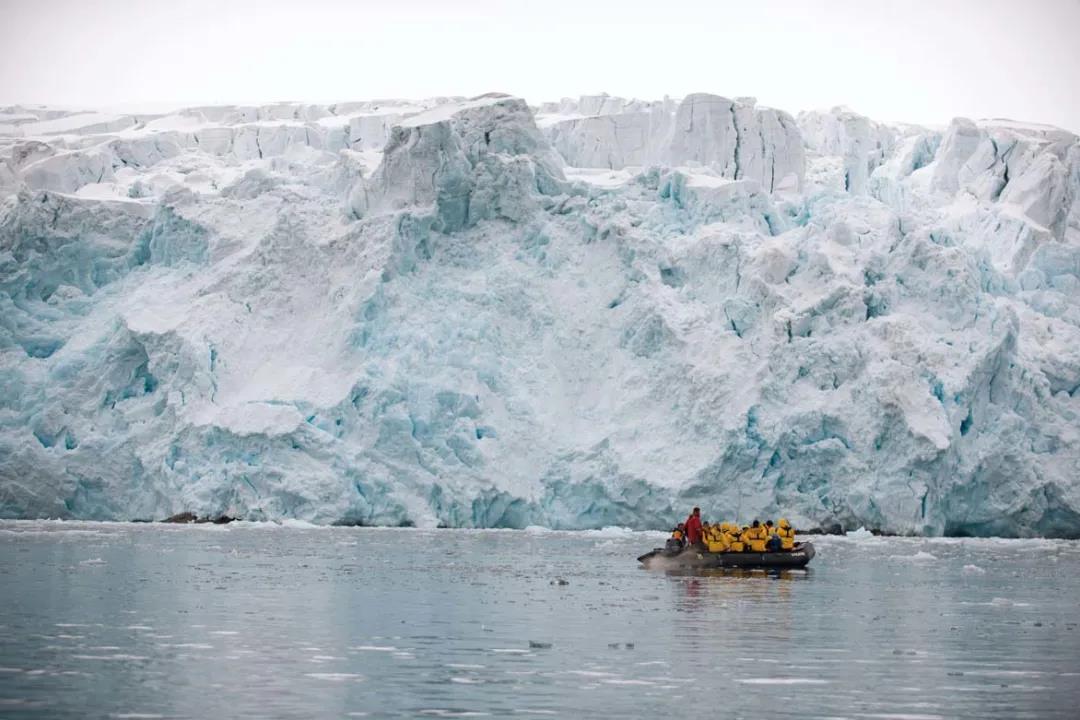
[114, 620]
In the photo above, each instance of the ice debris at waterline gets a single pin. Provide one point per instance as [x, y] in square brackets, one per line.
[587, 313]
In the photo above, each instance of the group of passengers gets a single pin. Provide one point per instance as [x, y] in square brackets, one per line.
[730, 537]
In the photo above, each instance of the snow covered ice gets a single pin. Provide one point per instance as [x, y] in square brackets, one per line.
[586, 313]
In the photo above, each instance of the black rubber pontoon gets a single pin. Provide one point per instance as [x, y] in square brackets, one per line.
[691, 558]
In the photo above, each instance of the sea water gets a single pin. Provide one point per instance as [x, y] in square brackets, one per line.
[260, 620]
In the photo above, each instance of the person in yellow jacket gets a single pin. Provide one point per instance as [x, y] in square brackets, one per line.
[677, 541]
[757, 537]
[737, 543]
[773, 543]
[714, 539]
[786, 533]
[727, 539]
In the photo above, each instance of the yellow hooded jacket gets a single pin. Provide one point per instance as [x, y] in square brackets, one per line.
[786, 533]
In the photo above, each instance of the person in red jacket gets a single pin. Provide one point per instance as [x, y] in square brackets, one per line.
[693, 527]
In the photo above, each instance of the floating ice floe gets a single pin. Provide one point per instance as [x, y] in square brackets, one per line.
[920, 557]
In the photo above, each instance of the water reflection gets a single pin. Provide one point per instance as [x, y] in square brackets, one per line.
[787, 574]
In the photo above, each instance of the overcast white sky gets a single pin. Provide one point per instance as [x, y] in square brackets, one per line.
[920, 61]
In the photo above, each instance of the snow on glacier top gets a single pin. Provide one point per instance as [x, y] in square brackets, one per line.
[445, 111]
[69, 124]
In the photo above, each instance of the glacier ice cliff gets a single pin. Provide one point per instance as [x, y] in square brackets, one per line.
[735, 138]
[473, 312]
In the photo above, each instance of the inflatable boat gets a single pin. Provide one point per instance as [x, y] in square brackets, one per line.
[694, 558]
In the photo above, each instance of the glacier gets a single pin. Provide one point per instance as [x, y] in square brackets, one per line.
[592, 312]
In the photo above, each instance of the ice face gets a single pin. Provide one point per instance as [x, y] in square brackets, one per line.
[862, 143]
[423, 313]
[465, 162]
[733, 138]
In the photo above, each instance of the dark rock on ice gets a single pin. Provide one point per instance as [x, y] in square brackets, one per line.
[184, 517]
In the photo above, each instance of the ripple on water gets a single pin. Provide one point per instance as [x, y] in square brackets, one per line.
[781, 681]
[336, 676]
[592, 673]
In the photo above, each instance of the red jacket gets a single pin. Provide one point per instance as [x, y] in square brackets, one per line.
[693, 529]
